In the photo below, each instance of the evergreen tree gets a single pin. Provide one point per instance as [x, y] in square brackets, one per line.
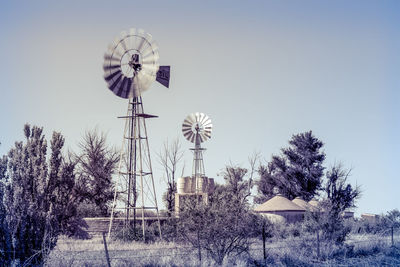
[297, 172]
[34, 208]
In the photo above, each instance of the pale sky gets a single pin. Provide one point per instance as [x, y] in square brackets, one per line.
[261, 70]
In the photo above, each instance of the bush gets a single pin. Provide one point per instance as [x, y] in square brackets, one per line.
[136, 234]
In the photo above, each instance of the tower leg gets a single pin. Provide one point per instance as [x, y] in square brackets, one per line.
[135, 170]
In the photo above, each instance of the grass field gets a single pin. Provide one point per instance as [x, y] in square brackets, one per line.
[360, 250]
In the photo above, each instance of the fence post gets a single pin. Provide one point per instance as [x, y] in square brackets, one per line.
[263, 237]
[106, 250]
[199, 247]
[392, 238]
[318, 244]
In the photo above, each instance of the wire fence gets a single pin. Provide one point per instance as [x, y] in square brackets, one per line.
[143, 254]
[110, 257]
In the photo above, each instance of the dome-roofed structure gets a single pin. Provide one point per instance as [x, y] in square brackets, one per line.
[281, 209]
[302, 203]
[314, 202]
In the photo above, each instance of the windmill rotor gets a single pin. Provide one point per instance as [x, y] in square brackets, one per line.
[131, 64]
[197, 125]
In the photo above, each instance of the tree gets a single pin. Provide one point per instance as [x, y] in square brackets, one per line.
[95, 165]
[169, 158]
[33, 190]
[327, 223]
[297, 172]
[224, 227]
[338, 191]
[238, 180]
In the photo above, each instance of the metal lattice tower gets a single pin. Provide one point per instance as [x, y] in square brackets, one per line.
[135, 191]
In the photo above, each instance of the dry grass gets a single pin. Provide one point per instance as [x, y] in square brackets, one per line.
[71, 252]
[360, 250]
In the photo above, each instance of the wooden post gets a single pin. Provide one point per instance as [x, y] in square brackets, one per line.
[392, 238]
[106, 250]
[199, 247]
[318, 244]
[263, 237]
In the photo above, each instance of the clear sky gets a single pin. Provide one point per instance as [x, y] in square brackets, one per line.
[262, 70]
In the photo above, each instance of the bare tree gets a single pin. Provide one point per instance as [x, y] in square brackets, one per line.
[169, 157]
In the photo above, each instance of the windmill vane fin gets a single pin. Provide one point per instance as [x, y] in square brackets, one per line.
[163, 75]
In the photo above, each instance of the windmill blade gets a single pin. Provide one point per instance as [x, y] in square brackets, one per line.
[123, 86]
[190, 120]
[115, 82]
[142, 41]
[124, 37]
[151, 49]
[111, 67]
[109, 58]
[111, 75]
[163, 75]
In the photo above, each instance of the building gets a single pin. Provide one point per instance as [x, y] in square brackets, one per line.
[369, 217]
[280, 209]
[302, 203]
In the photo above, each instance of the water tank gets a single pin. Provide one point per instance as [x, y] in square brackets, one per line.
[181, 185]
[203, 181]
[188, 184]
[184, 185]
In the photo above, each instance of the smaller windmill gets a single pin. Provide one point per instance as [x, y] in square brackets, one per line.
[196, 128]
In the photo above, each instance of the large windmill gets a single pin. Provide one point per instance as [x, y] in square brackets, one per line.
[130, 66]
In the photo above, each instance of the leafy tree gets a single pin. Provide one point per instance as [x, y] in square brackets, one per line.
[340, 193]
[5, 238]
[238, 180]
[34, 198]
[95, 165]
[298, 171]
[392, 218]
[224, 227]
[328, 222]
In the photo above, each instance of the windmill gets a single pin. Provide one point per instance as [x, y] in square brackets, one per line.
[130, 67]
[197, 128]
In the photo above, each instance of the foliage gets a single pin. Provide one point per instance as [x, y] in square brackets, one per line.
[380, 225]
[392, 218]
[238, 180]
[297, 172]
[36, 198]
[222, 228]
[135, 233]
[169, 158]
[95, 165]
[327, 221]
[340, 193]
